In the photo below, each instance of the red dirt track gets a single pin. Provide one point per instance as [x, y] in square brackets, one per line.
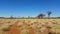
[15, 30]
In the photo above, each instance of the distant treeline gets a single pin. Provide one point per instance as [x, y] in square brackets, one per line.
[29, 17]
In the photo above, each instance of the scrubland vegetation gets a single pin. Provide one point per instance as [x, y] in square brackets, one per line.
[30, 26]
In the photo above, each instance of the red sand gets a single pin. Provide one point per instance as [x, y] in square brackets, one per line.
[14, 29]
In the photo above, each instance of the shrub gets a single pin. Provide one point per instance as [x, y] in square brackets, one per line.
[6, 29]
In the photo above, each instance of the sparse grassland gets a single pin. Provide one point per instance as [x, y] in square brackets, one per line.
[37, 25]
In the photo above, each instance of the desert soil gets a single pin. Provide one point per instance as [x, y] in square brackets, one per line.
[29, 26]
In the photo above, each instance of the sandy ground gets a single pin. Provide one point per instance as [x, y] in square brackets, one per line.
[29, 26]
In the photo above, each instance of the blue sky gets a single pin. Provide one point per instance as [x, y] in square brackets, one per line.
[29, 7]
